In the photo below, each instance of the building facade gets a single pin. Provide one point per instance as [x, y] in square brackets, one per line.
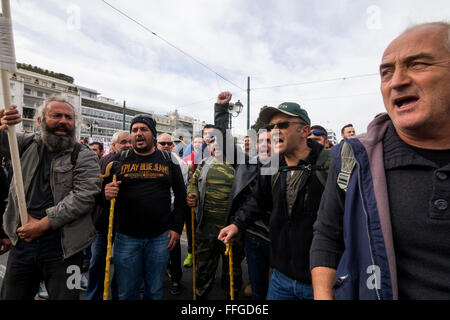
[29, 89]
[102, 117]
[332, 136]
[97, 117]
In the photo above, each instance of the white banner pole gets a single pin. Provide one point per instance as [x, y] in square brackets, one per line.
[8, 63]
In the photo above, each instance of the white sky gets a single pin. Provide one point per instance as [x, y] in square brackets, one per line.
[275, 42]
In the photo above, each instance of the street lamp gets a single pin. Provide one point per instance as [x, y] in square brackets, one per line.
[234, 109]
[91, 126]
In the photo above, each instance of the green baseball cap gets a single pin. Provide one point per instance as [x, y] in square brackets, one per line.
[290, 108]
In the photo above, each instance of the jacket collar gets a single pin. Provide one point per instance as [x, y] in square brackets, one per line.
[316, 148]
[376, 130]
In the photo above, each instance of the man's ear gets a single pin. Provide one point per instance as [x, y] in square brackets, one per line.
[39, 120]
[305, 129]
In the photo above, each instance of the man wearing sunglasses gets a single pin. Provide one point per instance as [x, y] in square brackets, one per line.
[164, 142]
[292, 195]
[319, 134]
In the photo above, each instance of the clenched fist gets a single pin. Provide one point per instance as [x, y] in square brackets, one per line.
[224, 97]
[191, 200]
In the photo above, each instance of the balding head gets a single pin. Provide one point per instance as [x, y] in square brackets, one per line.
[445, 26]
[415, 83]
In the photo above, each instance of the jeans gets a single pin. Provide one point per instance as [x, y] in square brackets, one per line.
[96, 273]
[282, 287]
[140, 259]
[42, 259]
[257, 252]
[87, 254]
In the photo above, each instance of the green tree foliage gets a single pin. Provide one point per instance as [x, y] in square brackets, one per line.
[52, 74]
[258, 124]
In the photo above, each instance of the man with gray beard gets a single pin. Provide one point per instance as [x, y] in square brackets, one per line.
[61, 181]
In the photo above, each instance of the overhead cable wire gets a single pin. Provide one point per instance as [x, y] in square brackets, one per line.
[329, 98]
[170, 44]
[197, 102]
[316, 81]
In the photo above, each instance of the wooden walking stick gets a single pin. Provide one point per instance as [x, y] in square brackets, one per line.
[8, 64]
[110, 232]
[193, 235]
[229, 253]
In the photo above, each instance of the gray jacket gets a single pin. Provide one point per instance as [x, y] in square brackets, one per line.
[74, 190]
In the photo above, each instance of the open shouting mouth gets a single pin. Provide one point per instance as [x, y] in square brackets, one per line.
[406, 102]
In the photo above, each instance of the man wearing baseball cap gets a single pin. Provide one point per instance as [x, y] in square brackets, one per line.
[292, 195]
[147, 229]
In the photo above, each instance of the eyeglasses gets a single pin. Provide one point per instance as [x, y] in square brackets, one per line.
[316, 133]
[166, 143]
[281, 125]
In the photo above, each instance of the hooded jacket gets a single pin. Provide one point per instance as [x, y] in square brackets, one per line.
[367, 268]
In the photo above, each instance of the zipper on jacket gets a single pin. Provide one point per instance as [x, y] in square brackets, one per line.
[303, 184]
[52, 183]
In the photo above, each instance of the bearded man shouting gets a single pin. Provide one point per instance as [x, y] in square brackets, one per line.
[61, 181]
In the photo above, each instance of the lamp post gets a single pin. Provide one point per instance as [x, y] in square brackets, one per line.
[92, 124]
[234, 109]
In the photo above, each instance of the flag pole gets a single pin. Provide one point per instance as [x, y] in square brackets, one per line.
[8, 63]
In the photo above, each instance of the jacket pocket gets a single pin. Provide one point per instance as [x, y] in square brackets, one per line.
[78, 235]
[63, 176]
[341, 287]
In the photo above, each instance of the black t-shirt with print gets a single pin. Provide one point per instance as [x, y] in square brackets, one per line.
[143, 203]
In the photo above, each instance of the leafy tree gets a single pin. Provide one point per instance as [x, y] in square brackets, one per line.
[258, 124]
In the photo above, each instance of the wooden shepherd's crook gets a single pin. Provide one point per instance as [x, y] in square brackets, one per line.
[110, 233]
[229, 253]
[8, 60]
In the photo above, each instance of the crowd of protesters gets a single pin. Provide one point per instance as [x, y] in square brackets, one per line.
[367, 218]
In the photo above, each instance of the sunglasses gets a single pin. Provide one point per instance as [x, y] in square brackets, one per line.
[281, 125]
[316, 133]
[166, 143]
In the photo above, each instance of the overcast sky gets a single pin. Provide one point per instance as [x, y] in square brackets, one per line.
[278, 43]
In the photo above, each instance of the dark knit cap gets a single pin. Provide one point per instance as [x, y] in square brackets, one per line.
[147, 120]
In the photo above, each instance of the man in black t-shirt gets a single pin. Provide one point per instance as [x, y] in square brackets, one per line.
[147, 229]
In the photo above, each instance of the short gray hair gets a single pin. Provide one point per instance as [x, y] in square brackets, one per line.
[115, 137]
[55, 97]
[164, 134]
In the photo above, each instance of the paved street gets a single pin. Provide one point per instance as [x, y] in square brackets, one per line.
[216, 294]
